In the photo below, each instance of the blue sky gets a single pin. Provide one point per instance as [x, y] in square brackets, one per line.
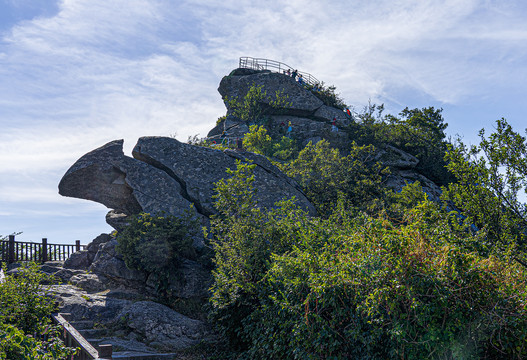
[76, 74]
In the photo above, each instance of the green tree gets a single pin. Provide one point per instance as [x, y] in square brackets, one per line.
[420, 132]
[491, 177]
[325, 176]
[243, 237]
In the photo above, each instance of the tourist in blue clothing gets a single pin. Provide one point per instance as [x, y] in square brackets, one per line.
[300, 79]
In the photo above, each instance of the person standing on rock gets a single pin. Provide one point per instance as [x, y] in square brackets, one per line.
[289, 130]
[294, 74]
[300, 80]
[334, 127]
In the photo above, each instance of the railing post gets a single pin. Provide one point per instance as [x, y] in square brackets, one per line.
[77, 245]
[106, 351]
[11, 257]
[44, 250]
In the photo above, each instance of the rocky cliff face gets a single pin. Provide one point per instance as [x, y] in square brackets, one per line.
[311, 120]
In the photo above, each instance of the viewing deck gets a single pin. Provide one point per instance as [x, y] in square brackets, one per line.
[274, 66]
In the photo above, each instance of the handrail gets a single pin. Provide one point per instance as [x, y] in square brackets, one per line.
[279, 67]
[12, 251]
[72, 338]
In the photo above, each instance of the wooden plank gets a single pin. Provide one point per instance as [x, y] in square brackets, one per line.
[73, 335]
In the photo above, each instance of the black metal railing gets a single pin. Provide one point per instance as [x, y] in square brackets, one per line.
[275, 66]
[13, 251]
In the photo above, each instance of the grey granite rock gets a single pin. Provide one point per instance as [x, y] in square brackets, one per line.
[393, 157]
[106, 176]
[77, 260]
[302, 101]
[161, 327]
[199, 168]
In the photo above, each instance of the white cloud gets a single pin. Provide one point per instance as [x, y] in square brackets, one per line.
[98, 70]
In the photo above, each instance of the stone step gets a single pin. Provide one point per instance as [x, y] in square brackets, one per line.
[82, 324]
[134, 355]
[92, 333]
[96, 341]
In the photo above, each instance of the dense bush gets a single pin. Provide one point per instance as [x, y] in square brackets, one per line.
[156, 244]
[25, 309]
[419, 132]
[258, 141]
[292, 287]
[329, 97]
[325, 176]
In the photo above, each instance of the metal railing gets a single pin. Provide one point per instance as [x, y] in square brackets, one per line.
[276, 66]
[13, 251]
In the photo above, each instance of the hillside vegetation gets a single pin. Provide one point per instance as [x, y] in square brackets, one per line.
[378, 274]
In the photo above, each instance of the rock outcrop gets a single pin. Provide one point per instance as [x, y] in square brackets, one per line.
[310, 120]
[167, 176]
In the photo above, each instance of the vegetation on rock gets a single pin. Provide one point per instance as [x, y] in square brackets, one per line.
[156, 244]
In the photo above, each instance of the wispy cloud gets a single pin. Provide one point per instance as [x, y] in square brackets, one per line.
[85, 72]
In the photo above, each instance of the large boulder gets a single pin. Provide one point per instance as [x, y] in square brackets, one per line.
[199, 168]
[395, 158]
[161, 327]
[107, 176]
[302, 101]
[109, 263]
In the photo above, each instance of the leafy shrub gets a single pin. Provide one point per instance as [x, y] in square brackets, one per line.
[378, 291]
[256, 104]
[325, 176]
[244, 236]
[329, 97]
[15, 345]
[258, 141]
[291, 287]
[157, 244]
[24, 302]
[25, 309]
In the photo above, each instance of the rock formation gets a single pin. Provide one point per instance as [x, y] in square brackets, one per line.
[167, 176]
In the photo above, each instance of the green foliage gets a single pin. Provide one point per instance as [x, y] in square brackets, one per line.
[325, 176]
[329, 97]
[244, 236]
[157, 244]
[286, 149]
[419, 132]
[490, 177]
[24, 302]
[25, 309]
[258, 141]
[15, 345]
[256, 104]
[290, 287]
[378, 291]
